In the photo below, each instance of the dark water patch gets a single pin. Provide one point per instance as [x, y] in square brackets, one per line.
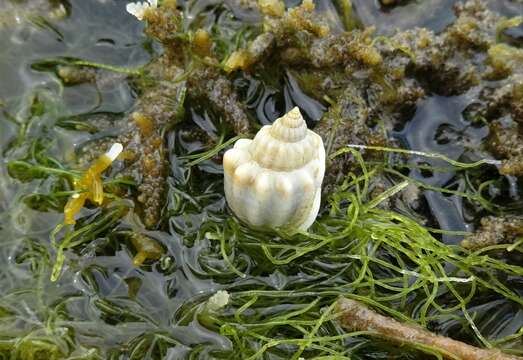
[264, 100]
[391, 16]
[388, 19]
[513, 35]
[311, 108]
[508, 8]
[271, 98]
[439, 126]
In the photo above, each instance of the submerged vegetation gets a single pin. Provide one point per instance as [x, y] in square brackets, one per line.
[422, 131]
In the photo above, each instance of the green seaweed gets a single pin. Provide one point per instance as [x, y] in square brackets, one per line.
[356, 249]
[385, 259]
[44, 65]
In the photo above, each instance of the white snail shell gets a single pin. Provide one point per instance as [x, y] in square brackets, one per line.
[274, 180]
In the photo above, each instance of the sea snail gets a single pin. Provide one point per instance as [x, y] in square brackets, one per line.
[274, 180]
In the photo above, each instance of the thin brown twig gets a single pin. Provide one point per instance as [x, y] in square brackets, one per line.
[356, 316]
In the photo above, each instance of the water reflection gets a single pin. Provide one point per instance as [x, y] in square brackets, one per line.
[438, 126]
[269, 101]
[389, 18]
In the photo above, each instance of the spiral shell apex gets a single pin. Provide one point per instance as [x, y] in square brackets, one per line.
[274, 180]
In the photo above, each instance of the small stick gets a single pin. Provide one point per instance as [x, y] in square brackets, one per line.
[356, 316]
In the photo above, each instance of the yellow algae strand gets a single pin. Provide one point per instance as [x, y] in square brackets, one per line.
[202, 42]
[74, 205]
[146, 249]
[90, 185]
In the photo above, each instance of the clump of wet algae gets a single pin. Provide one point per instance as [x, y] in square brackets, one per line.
[142, 273]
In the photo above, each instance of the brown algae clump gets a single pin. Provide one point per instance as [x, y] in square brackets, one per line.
[505, 59]
[495, 230]
[272, 7]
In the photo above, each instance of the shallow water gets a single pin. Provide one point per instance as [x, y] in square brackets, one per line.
[432, 14]
[102, 301]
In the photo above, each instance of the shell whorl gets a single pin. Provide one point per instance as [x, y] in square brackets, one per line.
[291, 127]
[285, 145]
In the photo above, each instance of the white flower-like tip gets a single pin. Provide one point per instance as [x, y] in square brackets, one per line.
[218, 300]
[138, 9]
[114, 151]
